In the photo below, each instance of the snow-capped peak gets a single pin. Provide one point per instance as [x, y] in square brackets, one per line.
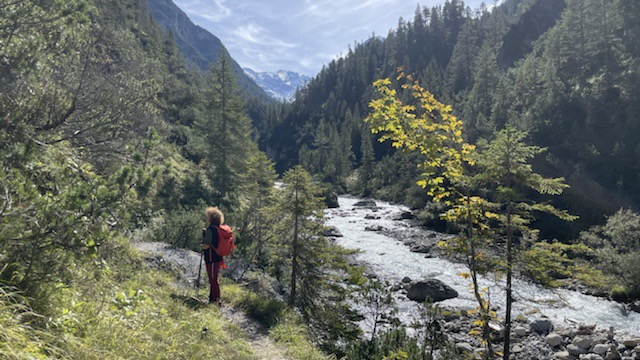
[281, 84]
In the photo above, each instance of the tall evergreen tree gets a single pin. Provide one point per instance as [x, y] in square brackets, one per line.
[504, 166]
[226, 130]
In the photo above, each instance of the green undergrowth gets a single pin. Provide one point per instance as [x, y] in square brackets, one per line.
[284, 325]
[124, 310]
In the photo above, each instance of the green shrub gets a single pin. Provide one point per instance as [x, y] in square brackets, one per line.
[619, 293]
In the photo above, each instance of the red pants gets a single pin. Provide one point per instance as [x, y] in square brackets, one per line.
[212, 271]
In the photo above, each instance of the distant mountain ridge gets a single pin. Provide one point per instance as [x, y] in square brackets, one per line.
[197, 45]
[281, 84]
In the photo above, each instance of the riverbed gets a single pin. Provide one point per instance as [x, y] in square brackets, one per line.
[391, 260]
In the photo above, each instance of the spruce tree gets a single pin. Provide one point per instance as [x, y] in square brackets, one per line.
[226, 130]
[505, 169]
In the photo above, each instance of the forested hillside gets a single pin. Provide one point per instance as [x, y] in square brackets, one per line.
[107, 137]
[564, 71]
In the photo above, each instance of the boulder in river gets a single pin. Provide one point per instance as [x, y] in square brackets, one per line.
[432, 288]
[330, 198]
[421, 248]
[374, 228]
[369, 204]
[332, 231]
[541, 326]
[405, 215]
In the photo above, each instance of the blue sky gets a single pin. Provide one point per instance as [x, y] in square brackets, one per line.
[298, 35]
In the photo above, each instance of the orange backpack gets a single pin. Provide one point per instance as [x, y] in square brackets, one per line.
[226, 241]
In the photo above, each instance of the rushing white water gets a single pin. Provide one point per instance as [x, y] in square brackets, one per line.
[391, 260]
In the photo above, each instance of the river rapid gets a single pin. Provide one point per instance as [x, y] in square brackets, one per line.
[391, 260]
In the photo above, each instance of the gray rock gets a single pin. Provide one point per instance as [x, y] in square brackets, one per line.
[464, 347]
[516, 349]
[612, 354]
[374, 228]
[541, 326]
[554, 339]
[332, 231]
[406, 280]
[421, 248]
[370, 204]
[598, 340]
[631, 343]
[520, 331]
[563, 355]
[575, 350]
[635, 306]
[591, 357]
[372, 217]
[433, 288]
[584, 342]
[405, 215]
[636, 350]
[600, 349]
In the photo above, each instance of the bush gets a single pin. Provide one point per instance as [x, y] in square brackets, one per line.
[618, 249]
[181, 228]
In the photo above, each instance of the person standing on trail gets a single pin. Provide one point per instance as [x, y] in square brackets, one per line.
[217, 242]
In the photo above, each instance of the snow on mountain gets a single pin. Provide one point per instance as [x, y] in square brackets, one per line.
[281, 84]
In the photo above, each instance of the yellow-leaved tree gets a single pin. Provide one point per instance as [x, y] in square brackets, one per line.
[429, 127]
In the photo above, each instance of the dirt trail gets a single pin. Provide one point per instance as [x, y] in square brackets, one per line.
[184, 264]
[257, 335]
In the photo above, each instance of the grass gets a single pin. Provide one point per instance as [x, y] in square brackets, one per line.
[126, 311]
[284, 325]
[144, 318]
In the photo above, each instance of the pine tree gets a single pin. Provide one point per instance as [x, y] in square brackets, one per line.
[310, 263]
[226, 130]
[504, 168]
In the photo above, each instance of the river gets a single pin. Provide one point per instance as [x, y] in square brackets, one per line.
[391, 260]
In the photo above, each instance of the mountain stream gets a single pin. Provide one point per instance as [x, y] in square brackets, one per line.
[391, 260]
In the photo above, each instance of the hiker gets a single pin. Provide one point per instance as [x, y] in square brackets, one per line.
[214, 249]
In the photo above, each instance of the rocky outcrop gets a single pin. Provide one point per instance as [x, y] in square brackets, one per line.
[432, 288]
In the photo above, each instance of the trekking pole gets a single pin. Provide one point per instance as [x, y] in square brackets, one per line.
[197, 286]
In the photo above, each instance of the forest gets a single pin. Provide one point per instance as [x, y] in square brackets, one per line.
[110, 137]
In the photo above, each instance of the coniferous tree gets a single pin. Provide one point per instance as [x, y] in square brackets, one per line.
[504, 166]
[226, 130]
[309, 263]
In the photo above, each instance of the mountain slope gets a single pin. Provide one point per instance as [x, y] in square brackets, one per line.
[281, 84]
[196, 44]
[571, 86]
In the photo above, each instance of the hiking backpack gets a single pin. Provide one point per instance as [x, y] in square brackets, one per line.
[226, 241]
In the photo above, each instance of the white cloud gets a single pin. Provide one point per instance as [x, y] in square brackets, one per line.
[302, 36]
[210, 10]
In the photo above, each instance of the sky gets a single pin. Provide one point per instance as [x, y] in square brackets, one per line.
[298, 35]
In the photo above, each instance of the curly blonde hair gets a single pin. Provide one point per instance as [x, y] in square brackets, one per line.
[214, 216]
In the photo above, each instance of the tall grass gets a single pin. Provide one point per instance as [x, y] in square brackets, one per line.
[18, 339]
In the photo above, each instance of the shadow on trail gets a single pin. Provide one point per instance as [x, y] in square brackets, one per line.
[190, 301]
